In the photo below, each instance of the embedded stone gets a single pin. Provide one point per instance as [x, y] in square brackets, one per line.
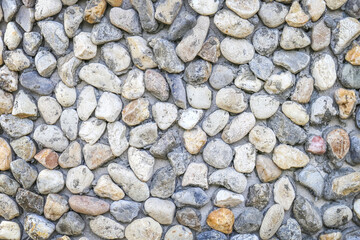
[156, 84]
[106, 228]
[237, 51]
[96, 155]
[221, 220]
[79, 179]
[229, 178]
[238, 128]
[108, 107]
[273, 14]
[141, 54]
[196, 175]
[294, 38]
[94, 11]
[346, 99]
[143, 228]
[23, 172]
[303, 90]
[141, 163]
[272, 221]
[194, 140]
[266, 169]
[163, 211]
[136, 112]
[37, 227]
[245, 156]
[231, 24]
[88, 205]
[296, 16]
[106, 188]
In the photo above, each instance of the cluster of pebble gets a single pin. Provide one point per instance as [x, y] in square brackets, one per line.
[179, 119]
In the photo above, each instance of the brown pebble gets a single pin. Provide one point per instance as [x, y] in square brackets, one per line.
[94, 11]
[48, 158]
[221, 220]
[88, 205]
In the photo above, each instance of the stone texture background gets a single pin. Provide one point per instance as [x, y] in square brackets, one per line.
[321, 162]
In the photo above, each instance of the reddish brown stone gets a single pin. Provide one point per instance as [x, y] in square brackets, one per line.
[316, 145]
[94, 11]
[338, 143]
[48, 158]
[221, 220]
[88, 205]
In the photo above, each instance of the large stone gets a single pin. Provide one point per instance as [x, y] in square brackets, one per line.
[346, 99]
[285, 130]
[166, 11]
[50, 181]
[71, 224]
[104, 32]
[132, 186]
[204, 7]
[265, 40]
[165, 55]
[141, 163]
[215, 122]
[23, 172]
[141, 54]
[267, 169]
[88, 205]
[91, 130]
[163, 211]
[55, 206]
[55, 36]
[322, 110]
[199, 96]
[71, 157]
[263, 138]
[272, 221]
[163, 182]
[291, 230]
[221, 220]
[8, 185]
[106, 188]
[336, 216]
[258, 196]
[14, 126]
[284, 193]
[228, 199]
[238, 128]
[44, 8]
[124, 211]
[164, 114]
[303, 90]
[136, 112]
[248, 221]
[94, 11]
[296, 16]
[8, 209]
[51, 137]
[194, 140]
[324, 72]
[73, 16]
[156, 84]
[231, 24]
[96, 155]
[100, 76]
[218, 154]
[263, 106]
[245, 156]
[294, 38]
[293, 61]
[191, 44]
[48, 158]
[177, 89]
[10, 230]
[345, 32]
[338, 144]
[194, 197]
[106, 228]
[182, 23]
[126, 20]
[189, 217]
[143, 228]
[109, 107]
[231, 100]
[237, 51]
[179, 232]
[146, 12]
[37, 227]
[307, 215]
[245, 9]
[273, 14]
[286, 157]
[79, 179]
[279, 82]
[229, 178]
[143, 135]
[29, 201]
[196, 175]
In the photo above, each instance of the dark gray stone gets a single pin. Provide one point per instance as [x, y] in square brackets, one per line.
[146, 12]
[165, 55]
[197, 72]
[352, 7]
[354, 149]
[261, 66]
[258, 196]
[290, 231]
[294, 61]
[163, 182]
[37, 84]
[23, 172]
[307, 215]
[350, 75]
[189, 217]
[285, 130]
[104, 32]
[179, 159]
[195, 197]
[29, 201]
[182, 23]
[177, 89]
[165, 144]
[124, 211]
[248, 221]
[70, 224]
[211, 235]
[16, 127]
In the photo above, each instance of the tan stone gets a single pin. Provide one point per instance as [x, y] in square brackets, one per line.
[94, 11]
[331, 236]
[284, 193]
[315, 8]
[272, 221]
[353, 55]
[55, 206]
[338, 142]
[136, 112]
[320, 36]
[347, 184]
[296, 112]
[296, 16]
[210, 50]
[106, 188]
[286, 157]
[5, 155]
[303, 90]
[346, 99]
[96, 155]
[143, 228]
[115, 3]
[141, 54]
[194, 140]
[335, 4]
[48, 158]
[88, 205]
[266, 169]
[6, 102]
[221, 220]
